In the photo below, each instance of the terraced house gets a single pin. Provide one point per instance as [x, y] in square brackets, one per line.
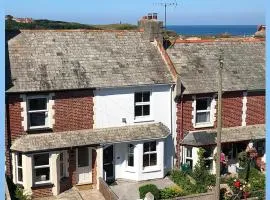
[84, 104]
[243, 99]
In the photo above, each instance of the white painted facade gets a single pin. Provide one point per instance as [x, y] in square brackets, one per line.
[114, 107]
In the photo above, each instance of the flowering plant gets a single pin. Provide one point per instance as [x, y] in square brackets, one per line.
[241, 187]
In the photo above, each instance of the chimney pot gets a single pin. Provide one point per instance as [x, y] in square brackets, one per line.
[150, 16]
[154, 15]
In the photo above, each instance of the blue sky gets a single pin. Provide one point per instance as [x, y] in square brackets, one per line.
[188, 12]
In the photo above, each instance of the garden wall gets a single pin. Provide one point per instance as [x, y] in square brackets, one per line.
[106, 191]
[202, 196]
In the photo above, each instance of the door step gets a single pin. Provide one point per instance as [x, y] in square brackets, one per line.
[85, 187]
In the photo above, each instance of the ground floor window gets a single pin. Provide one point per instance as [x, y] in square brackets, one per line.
[41, 168]
[130, 155]
[260, 147]
[19, 169]
[208, 157]
[63, 164]
[149, 154]
[189, 159]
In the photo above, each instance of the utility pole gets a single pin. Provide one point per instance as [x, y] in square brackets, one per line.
[219, 125]
[165, 10]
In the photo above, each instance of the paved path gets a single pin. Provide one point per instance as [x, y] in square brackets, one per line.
[75, 194]
[129, 190]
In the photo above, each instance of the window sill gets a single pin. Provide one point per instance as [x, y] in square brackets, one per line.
[151, 169]
[130, 170]
[37, 130]
[143, 119]
[203, 125]
[42, 185]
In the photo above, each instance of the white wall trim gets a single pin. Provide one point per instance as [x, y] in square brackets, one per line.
[244, 109]
[24, 111]
[51, 111]
[213, 109]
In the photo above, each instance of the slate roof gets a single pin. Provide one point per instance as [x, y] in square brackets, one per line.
[61, 140]
[234, 134]
[44, 60]
[197, 64]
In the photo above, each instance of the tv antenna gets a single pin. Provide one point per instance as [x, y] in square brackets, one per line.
[166, 4]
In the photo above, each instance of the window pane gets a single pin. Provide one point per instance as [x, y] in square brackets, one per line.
[83, 157]
[41, 159]
[146, 96]
[189, 162]
[153, 159]
[202, 104]
[37, 119]
[61, 169]
[153, 146]
[189, 151]
[202, 117]
[146, 110]
[138, 110]
[20, 174]
[38, 104]
[130, 160]
[138, 97]
[146, 160]
[19, 157]
[42, 174]
[61, 157]
[146, 147]
[131, 148]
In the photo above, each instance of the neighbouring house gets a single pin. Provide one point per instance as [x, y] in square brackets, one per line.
[25, 20]
[243, 99]
[84, 104]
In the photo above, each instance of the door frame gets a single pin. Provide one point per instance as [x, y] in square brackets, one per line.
[90, 166]
[113, 162]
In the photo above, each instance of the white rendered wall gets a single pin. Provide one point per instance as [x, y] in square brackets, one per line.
[111, 105]
[138, 173]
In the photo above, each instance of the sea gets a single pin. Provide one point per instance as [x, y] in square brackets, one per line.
[202, 30]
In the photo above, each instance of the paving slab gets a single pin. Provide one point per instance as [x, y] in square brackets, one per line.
[129, 190]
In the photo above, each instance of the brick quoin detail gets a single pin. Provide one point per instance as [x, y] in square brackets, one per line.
[73, 110]
[255, 108]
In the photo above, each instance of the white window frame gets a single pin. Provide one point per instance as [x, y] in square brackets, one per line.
[188, 157]
[149, 153]
[47, 120]
[17, 168]
[129, 153]
[203, 124]
[39, 167]
[143, 117]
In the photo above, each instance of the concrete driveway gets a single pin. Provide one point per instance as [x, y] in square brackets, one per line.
[129, 190]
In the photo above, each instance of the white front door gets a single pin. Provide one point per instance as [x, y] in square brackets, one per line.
[84, 165]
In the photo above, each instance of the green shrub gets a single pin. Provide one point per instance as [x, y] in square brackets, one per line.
[19, 194]
[143, 190]
[243, 159]
[180, 178]
[171, 192]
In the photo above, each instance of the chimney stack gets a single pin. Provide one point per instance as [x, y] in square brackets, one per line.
[152, 27]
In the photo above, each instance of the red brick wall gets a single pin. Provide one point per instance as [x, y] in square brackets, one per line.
[73, 110]
[255, 108]
[72, 167]
[42, 191]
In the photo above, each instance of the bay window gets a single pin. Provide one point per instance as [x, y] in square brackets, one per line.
[41, 168]
[149, 154]
[19, 169]
[130, 162]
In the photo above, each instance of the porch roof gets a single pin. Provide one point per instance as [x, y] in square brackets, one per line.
[62, 140]
[234, 134]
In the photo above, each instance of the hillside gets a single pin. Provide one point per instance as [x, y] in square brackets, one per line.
[12, 25]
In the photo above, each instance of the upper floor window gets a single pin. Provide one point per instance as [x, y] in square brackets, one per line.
[149, 154]
[37, 112]
[142, 104]
[203, 109]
